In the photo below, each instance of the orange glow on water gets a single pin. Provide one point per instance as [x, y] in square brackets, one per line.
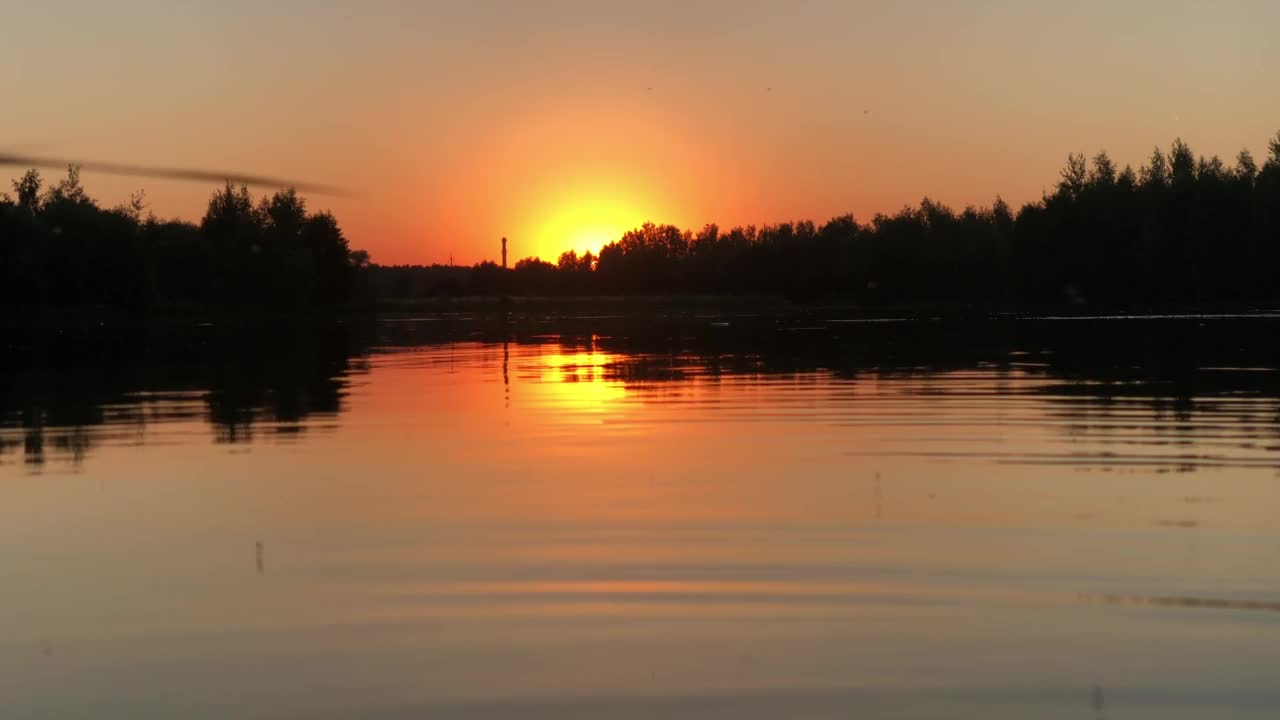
[577, 381]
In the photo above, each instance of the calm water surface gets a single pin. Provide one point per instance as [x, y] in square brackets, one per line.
[726, 517]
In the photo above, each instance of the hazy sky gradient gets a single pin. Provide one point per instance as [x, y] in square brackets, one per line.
[560, 124]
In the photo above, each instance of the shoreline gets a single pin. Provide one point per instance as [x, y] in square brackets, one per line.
[585, 307]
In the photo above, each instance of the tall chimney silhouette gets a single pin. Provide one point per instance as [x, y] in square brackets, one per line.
[504, 253]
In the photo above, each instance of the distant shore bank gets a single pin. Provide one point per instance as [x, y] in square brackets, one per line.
[739, 303]
[584, 307]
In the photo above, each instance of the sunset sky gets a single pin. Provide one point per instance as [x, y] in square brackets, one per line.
[562, 124]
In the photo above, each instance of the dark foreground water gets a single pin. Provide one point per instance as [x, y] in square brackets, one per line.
[688, 517]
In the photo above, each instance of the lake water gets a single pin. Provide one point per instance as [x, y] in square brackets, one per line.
[632, 517]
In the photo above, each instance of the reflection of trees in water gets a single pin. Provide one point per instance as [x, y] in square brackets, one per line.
[69, 390]
[1170, 394]
[282, 389]
[1114, 382]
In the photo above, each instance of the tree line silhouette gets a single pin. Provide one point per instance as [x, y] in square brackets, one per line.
[1180, 229]
[59, 247]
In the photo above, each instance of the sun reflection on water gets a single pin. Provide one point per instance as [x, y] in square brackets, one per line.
[579, 381]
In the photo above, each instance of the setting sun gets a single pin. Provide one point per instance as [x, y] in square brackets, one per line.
[580, 220]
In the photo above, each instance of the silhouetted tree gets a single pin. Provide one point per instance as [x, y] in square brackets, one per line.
[28, 189]
[286, 262]
[59, 247]
[330, 258]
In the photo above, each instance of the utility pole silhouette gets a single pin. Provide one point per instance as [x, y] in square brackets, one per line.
[504, 253]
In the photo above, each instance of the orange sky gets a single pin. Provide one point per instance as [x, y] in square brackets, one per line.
[561, 124]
